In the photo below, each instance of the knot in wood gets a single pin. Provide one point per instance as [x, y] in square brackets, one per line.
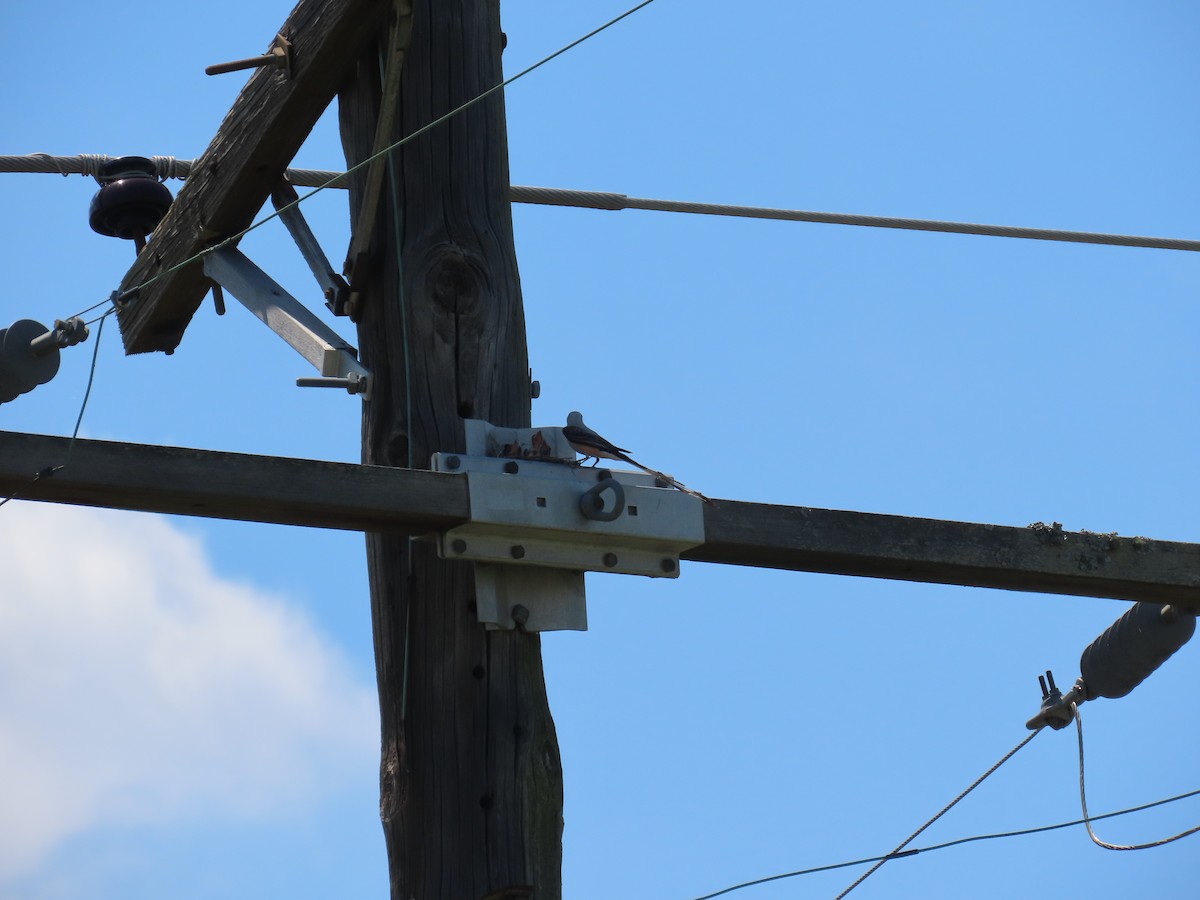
[456, 280]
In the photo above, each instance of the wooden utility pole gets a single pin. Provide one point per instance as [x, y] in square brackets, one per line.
[471, 777]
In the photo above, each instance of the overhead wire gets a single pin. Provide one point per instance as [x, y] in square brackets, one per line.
[1087, 820]
[612, 201]
[945, 809]
[992, 836]
[900, 852]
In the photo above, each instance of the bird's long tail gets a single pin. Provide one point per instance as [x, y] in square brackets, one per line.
[668, 480]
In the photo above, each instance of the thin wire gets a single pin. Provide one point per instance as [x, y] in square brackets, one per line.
[84, 312]
[967, 840]
[52, 470]
[1083, 804]
[101, 318]
[978, 781]
[87, 391]
[395, 146]
[393, 189]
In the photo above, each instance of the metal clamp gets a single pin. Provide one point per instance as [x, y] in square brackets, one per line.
[539, 521]
[544, 514]
[1057, 709]
[66, 333]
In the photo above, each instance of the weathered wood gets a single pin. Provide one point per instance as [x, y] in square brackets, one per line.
[229, 184]
[209, 483]
[222, 485]
[471, 776]
[1042, 558]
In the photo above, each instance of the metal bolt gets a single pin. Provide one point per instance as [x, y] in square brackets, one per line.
[458, 545]
[668, 565]
[279, 56]
[610, 559]
[517, 551]
[352, 383]
[520, 615]
[511, 468]
[453, 462]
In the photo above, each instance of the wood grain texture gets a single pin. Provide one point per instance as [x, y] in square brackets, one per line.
[471, 776]
[231, 181]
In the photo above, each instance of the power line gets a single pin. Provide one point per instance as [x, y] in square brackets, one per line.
[598, 200]
[1087, 820]
[321, 179]
[945, 809]
[967, 840]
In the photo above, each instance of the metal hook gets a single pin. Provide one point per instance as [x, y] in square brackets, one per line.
[592, 505]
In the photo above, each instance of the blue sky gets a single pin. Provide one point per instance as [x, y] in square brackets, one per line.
[187, 707]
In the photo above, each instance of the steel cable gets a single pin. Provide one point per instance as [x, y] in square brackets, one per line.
[945, 809]
[170, 167]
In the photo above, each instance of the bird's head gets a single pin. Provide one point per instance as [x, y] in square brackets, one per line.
[576, 419]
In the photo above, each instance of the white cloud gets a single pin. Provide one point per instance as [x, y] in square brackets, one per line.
[138, 686]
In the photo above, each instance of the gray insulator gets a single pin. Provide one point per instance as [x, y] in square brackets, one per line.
[21, 370]
[1133, 647]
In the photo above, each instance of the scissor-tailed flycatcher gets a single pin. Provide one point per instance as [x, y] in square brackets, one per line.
[592, 445]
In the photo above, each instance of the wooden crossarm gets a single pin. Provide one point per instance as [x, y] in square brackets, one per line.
[375, 498]
[231, 181]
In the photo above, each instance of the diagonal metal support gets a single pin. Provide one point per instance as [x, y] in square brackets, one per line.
[333, 358]
[285, 199]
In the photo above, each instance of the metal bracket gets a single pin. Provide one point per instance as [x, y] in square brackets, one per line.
[285, 199]
[538, 522]
[332, 357]
[566, 517]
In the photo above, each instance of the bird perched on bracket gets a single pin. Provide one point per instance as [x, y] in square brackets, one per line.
[593, 446]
